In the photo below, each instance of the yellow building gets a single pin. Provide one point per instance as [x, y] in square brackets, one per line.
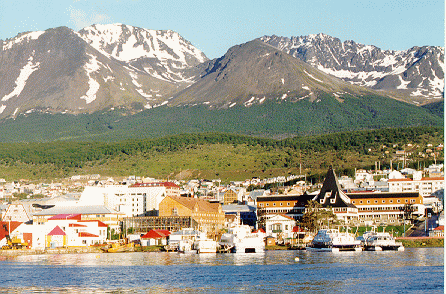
[209, 216]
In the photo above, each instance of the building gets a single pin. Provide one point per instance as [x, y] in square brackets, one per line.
[101, 213]
[280, 226]
[426, 186]
[385, 208]
[289, 205]
[208, 216]
[234, 196]
[368, 208]
[332, 196]
[17, 212]
[246, 213]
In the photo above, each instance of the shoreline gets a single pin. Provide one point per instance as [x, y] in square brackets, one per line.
[408, 242]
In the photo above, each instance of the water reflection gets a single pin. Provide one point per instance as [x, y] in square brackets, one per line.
[273, 271]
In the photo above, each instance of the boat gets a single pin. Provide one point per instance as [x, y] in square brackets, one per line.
[382, 241]
[240, 239]
[186, 246]
[119, 247]
[205, 246]
[334, 241]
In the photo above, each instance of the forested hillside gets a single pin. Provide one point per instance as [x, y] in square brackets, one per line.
[274, 119]
[215, 155]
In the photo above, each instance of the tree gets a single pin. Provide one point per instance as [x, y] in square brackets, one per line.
[316, 216]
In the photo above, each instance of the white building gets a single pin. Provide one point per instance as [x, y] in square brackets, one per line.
[132, 200]
[426, 186]
[280, 226]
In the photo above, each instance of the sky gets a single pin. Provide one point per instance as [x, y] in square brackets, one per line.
[215, 26]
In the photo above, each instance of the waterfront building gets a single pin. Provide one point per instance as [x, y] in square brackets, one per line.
[208, 216]
[289, 205]
[280, 226]
[385, 208]
[246, 213]
[101, 213]
[332, 196]
[155, 237]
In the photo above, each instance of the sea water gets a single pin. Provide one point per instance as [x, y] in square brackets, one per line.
[415, 270]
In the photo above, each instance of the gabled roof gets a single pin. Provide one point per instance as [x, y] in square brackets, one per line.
[331, 194]
[279, 217]
[57, 231]
[439, 228]
[10, 226]
[156, 234]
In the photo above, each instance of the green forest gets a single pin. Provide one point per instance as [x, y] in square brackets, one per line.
[220, 155]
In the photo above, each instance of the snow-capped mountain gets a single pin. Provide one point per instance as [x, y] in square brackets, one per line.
[416, 73]
[60, 70]
[162, 54]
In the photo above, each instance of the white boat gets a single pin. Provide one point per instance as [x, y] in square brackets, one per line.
[186, 246]
[334, 241]
[240, 239]
[382, 241]
[205, 246]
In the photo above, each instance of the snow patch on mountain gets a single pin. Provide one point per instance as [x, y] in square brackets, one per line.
[24, 37]
[20, 82]
[93, 65]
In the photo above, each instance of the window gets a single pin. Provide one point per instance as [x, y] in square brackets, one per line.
[274, 204]
[391, 201]
[281, 203]
[368, 201]
[332, 200]
[376, 201]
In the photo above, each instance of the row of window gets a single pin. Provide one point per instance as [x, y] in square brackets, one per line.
[274, 204]
[384, 201]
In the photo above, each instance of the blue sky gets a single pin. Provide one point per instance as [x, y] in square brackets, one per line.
[215, 26]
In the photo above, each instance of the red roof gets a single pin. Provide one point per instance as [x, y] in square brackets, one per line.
[57, 232]
[156, 234]
[439, 228]
[85, 234]
[11, 226]
[100, 224]
[260, 230]
[66, 217]
[76, 226]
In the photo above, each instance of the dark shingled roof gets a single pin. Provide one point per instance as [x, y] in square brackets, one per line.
[331, 193]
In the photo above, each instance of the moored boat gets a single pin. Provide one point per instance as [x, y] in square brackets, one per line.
[240, 239]
[119, 247]
[334, 241]
[382, 241]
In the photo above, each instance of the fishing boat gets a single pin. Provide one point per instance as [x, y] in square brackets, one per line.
[205, 246]
[382, 241]
[119, 247]
[240, 239]
[334, 241]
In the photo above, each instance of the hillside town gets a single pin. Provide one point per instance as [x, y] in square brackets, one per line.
[88, 210]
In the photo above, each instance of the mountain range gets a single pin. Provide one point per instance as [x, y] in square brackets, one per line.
[117, 66]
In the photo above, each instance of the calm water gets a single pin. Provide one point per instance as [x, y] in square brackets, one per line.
[416, 270]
